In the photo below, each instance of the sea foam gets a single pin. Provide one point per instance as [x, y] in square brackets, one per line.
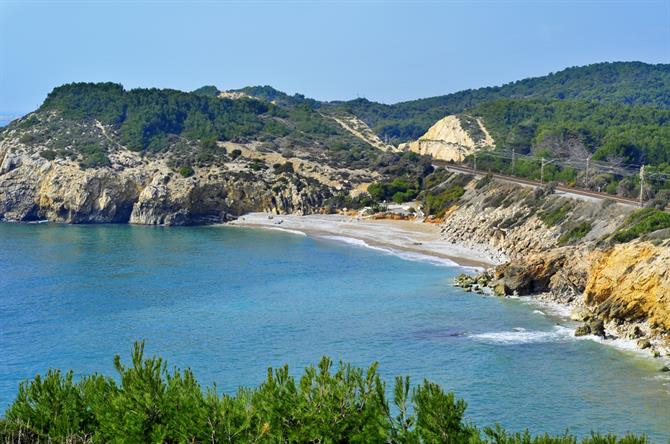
[523, 336]
[407, 255]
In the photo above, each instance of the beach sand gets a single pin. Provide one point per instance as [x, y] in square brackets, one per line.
[413, 239]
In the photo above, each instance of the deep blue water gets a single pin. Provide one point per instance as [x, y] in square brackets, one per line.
[229, 302]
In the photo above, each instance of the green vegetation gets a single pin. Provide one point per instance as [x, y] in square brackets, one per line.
[555, 214]
[144, 117]
[575, 233]
[626, 83]
[438, 204]
[397, 190]
[207, 91]
[641, 222]
[147, 403]
[186, 171]
[48, 154]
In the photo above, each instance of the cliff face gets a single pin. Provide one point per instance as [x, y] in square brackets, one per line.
[145, 190]
[631, 282]
[619, 290]
[448, 140]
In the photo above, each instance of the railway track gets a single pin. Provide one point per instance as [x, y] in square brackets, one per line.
[535, 183]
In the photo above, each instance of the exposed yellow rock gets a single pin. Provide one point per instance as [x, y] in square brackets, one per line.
[632, 281]
[448, 140]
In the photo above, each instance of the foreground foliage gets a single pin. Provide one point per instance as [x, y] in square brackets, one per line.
[147, 403]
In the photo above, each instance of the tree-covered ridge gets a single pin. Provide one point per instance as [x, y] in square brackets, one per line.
[570, 128]
[147, 403]
[277, 97]
[144, 117]
[628, 83]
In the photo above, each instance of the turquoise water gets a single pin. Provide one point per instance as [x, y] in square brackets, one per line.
[229, 302]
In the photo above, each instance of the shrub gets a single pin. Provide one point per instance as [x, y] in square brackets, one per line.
[641, 222]
[48, 154]
[554, 215]
[575, 233]
[437, 204]
[186, 171]
[94, 160]
[481, 183]
[286, 167]
[149, 403]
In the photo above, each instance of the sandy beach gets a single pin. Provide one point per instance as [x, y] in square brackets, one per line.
[411, 239]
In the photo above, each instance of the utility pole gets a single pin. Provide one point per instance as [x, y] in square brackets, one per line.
[475, 163]
[513, 161]
[641, 184]
[588, 160]
[542, 169]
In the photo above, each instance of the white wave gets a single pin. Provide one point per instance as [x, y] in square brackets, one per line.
[540, 312]
[407, 255]
[522, 336]
[265, 227]
[556, 309]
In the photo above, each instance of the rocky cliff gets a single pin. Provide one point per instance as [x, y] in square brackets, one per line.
[561, 249]
[37, 183]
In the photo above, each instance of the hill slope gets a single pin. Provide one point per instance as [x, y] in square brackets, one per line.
[630, 83]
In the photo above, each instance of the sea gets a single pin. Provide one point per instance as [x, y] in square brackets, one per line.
[230, 302]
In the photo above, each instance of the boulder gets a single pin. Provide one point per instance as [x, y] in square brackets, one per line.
[580, 315]
[597, 327]
[644, 343]
[582, 330]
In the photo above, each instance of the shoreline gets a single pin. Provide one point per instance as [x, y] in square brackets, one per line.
[409, 239]
[412, 240]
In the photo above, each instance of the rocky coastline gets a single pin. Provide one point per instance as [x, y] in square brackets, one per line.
[615, 291]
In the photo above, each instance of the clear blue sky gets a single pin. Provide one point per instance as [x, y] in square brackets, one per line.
[385, 51]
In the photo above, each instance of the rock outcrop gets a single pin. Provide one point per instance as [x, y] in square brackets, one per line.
[448, 140]
[631, 282]
[620, 290]
[146, 191]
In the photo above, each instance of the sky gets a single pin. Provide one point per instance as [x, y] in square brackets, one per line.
[329, 50]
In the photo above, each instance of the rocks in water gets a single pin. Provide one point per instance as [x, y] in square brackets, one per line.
[580, 315]
[597, 327]
[644, 343]
[472, 283]
[463, 280]
[665, 368]
[591, 327]
[582, 330]
[530, 275]
[499, 288]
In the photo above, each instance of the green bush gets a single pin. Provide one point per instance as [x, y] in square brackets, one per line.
[641, 222]
[147, 403]
[398, 190]
[575, 233]
[186, 171]
[437, 204]
[553, 216]
[48, 154]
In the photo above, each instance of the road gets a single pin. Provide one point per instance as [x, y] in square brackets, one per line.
[577, 192]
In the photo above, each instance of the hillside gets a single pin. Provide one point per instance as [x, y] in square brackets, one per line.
[301, 155]
[99, 153]
[631, 83]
